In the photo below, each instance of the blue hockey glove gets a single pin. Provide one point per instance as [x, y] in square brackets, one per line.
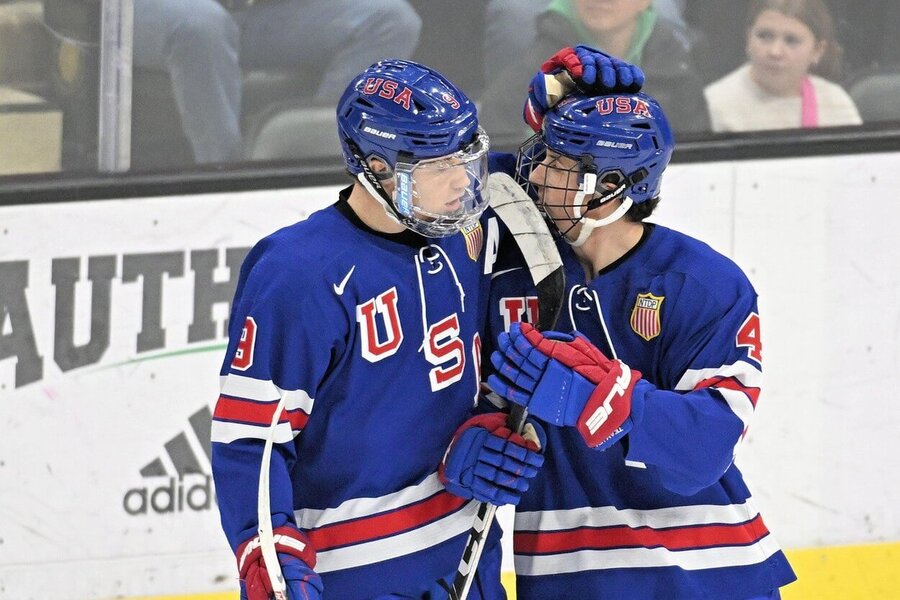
[589, 70]
[603, 73]
[566, 381]
[489, 462]
[297, 558]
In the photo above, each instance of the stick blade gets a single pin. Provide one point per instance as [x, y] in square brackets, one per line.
[550, 291]
[533, 237]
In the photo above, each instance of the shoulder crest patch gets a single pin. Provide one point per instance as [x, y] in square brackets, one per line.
[474, 235]
[645, 315]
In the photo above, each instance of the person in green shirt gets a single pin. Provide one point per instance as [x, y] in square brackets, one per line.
[630, 29]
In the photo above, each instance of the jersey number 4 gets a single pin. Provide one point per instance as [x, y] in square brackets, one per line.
[748, 337]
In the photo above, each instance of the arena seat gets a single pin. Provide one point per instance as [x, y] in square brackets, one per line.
[292, 131]
[877, 94]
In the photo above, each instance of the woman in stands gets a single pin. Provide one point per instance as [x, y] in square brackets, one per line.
[788, 80]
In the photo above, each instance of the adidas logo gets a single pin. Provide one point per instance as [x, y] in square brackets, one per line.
[185, 464]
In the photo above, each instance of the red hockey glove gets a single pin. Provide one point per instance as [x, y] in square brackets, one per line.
[588, 69]
[297, 560]
[489, 462]
[566, 381]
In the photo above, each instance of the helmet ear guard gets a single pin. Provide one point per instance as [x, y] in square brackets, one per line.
[580, 208]
[385, 175]
[605, 195]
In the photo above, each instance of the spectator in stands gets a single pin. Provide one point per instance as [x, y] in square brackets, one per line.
[203, 47]
[630, 29]
[792, 54]
[336, 38]
[511, 28]
[197, 44]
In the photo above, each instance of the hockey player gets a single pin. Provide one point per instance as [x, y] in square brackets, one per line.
[648, 399]
[365, 321]
[365, 317]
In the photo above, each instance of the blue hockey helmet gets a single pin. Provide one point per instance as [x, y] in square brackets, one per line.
[424, 129]
[621, 143]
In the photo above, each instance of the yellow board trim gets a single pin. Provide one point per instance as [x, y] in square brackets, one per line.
[867, 572]
[845, 573]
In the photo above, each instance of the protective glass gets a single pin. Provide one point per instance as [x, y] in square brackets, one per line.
[440, 196]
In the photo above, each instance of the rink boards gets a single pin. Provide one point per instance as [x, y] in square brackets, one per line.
[112, 319]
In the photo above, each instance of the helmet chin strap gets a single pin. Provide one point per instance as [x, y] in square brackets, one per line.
[589, 225]
[380, 196]
[369, 180]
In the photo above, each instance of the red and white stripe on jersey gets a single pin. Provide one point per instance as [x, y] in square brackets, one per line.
[689, 537]
[246, 406]
[738, 383]
[363, 531]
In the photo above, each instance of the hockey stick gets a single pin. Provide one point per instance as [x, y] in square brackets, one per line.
[538, 248]
[264, 513]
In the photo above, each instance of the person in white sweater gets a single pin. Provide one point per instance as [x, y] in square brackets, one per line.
[787, 83]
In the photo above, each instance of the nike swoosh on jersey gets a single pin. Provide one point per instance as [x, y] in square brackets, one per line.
[504, 272]
[339, 287]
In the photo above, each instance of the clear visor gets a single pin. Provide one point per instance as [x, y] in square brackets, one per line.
[439, 196]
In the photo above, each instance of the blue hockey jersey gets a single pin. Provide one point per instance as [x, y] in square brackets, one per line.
[374, 341]
[664, 513]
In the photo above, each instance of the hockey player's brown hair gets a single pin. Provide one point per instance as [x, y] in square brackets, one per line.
[641, 211]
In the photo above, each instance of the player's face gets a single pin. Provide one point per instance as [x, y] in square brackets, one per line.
[441, 191]
[439, 196]
[556, 179]
[781, 50]
[609, 16]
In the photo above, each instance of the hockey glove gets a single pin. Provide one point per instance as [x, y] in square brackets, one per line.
[587, 69]
[489, 462]
[297, 560]
[566, 381]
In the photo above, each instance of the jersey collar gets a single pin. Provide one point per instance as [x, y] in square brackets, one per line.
[648, 229]
[405, 237]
